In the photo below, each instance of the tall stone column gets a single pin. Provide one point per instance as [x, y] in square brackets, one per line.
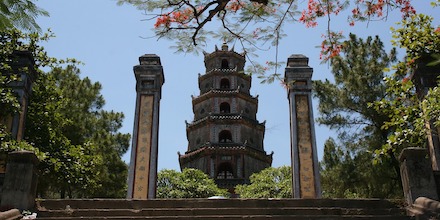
[23, 66]
[424, 78]
[143, 164]
[305, 169]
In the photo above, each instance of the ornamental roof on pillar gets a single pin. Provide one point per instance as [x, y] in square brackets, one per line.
[149, 59]
[24, 58]
[298, 68]
[149, 65]
[297, 60]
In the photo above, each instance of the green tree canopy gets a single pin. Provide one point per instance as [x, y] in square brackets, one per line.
[345, 106]
[268, 183]
[81, 141]
[78, 142]
[408, 112]
[20, 14]
[11, 41]
[190, 183]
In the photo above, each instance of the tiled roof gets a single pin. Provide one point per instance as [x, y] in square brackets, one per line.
[229, 147]
[216, 117]
[225, 92]
[224, 117]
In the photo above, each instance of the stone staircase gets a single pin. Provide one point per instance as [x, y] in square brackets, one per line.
[299, 209]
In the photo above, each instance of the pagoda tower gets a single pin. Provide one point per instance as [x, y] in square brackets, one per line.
[225, 140]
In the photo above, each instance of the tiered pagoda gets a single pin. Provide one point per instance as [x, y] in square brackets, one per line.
[225, 140]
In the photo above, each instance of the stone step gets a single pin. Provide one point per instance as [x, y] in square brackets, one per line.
[220, 211]
[255, 217]
[217, 203]
[221, 208]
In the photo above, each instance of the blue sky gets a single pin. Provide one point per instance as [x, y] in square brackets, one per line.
[108, 39]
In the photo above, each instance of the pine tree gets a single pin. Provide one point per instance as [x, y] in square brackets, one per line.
[345, 106]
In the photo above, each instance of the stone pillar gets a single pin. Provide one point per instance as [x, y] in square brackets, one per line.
[20, 186]
[22, 66]
[305, 168]
[417, 176]
[424, 78]
[143, 164]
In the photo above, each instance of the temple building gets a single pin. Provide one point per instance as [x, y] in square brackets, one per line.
[225, 139]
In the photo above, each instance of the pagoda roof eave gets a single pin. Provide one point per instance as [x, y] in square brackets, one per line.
[231, 117]
[223, 72]
[216, 92]
[209, 149]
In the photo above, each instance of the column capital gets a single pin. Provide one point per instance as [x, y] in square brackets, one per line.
[298, 74]
[149, 74]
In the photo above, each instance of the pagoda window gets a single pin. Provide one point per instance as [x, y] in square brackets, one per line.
[225, 171]
[225, 136]
[225, 108]
[225, 64]
[224, 84]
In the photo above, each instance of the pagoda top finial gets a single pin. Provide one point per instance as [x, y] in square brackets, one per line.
[225, 46]
[224, 49]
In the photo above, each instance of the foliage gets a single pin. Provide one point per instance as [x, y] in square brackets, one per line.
[187, 19]
[7, 144]
[190, 183]
[78, 142]
[257, 24]
[346, 174]
[344, 106]
[268, 183]
[409, 113]
[20, 14]
[12, 40]
[82, 141]
[418, 36]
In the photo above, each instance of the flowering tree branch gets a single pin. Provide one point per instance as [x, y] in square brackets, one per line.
[256, 22]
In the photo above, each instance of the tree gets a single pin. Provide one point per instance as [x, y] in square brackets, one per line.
[345, 174]
[345, 106]
[84, 147]
[408, 112]
[20, 14]
[190, 183]
[78, 142]
[12, 40]
[256, 23]
[268, 183]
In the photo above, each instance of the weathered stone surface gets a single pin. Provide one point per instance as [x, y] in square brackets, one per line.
[143, 164]
[12, 214]
[305, 170]
[417, 175]
[222, 209]
[425, 208]
[20, 185]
